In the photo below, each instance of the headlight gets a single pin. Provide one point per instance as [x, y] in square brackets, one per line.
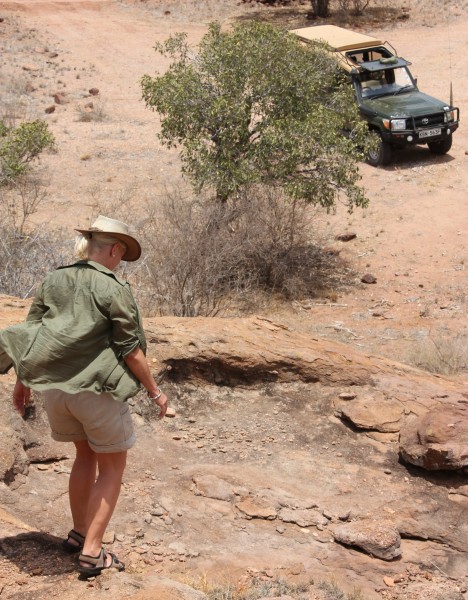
[398, 124]
[449, 116]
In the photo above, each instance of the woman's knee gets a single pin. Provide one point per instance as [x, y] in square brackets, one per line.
[112, 462]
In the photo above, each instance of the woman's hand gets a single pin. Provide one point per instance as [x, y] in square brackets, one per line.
[21, 396]
[136, 362]
[161, 400]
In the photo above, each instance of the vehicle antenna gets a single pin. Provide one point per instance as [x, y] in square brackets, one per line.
[450, 58]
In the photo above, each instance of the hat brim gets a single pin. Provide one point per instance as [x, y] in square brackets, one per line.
[133, 246]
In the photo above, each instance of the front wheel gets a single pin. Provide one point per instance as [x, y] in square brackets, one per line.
[381, 154]
[441, 147]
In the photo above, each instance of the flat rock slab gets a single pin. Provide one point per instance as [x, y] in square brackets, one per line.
[372, 412]
[303, 518]
[211, 486]
[256, 508]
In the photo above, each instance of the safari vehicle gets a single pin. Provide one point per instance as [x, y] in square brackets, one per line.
[387, 94]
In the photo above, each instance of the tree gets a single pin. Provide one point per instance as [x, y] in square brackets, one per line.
[320, 8]
[21, 145]
[254, 105]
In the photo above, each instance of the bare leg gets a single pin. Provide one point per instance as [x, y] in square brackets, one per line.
[82, 478]
[103, 498]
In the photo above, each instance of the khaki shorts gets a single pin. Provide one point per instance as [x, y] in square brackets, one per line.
[106, 423]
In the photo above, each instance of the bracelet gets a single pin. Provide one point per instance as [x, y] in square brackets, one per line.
[154, 397]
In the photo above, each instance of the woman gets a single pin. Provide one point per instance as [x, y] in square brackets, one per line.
[83, 346]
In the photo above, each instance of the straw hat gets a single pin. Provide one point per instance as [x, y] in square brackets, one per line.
[119, 230]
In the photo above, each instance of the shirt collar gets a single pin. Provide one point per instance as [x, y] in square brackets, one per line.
[97, 267]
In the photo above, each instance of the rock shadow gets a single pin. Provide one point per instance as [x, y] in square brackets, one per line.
[37, 553]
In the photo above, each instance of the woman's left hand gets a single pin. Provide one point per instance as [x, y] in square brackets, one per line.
[162, 403]
[21, 396]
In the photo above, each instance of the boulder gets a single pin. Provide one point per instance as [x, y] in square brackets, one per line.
[60, 98]
[437, 440]
[376, 537]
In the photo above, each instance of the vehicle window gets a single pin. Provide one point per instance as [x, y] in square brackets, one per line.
[381, 83]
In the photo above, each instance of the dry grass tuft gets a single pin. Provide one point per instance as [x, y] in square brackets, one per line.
[442, 353]
[332, 591]
[92, 112]
[254, 589]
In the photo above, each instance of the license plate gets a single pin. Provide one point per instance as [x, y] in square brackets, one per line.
[430, 132]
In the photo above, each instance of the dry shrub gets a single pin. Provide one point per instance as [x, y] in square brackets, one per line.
[25, 258]
[21, 199]
[353, 7]
[15, 102]
[203, 257]
[251, 589]
[193, 258]
[27, 253]
[442, 353]
[92, 112]
[333, 591]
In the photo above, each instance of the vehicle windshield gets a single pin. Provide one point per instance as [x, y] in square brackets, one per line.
[385, 82]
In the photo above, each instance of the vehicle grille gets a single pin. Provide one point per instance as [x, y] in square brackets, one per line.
[436, 119]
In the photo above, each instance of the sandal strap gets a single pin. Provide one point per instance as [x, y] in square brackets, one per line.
[96, 561]
[116, 562]
[74, 535]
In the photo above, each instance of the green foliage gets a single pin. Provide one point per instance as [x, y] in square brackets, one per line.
[21, 145]
[256, 106]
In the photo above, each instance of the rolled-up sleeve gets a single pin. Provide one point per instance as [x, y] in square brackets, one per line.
[38, 308]
[127, 331]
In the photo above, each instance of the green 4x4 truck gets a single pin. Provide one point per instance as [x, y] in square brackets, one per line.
[387, 94]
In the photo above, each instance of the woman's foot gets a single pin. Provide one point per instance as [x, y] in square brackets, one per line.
[93, 565]
[74, 542]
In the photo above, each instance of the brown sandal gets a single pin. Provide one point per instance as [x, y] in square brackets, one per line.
[69, 546]
[98, 563]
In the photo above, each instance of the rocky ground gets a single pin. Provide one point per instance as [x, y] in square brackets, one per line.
[279, 480]
[268, 471]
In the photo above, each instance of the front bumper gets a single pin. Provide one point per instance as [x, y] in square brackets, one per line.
[419, 135]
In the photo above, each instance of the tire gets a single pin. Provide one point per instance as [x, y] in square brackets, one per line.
[382, 155]
[441, 147]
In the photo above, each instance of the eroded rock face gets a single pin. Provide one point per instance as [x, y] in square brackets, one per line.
[375, 537]
[254, 351]
[13, 458]
[437, 440]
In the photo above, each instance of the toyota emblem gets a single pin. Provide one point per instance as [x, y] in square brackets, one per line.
[425, 121]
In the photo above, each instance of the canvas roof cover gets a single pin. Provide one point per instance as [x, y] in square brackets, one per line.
[338, 38]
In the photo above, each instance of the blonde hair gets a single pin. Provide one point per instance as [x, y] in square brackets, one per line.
[87, 244]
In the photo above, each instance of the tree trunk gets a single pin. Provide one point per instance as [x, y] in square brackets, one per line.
[320, 8]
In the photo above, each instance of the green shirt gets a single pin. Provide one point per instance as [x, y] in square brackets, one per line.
[82, 323]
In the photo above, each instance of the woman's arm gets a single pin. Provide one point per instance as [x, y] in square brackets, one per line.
[136, 362]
